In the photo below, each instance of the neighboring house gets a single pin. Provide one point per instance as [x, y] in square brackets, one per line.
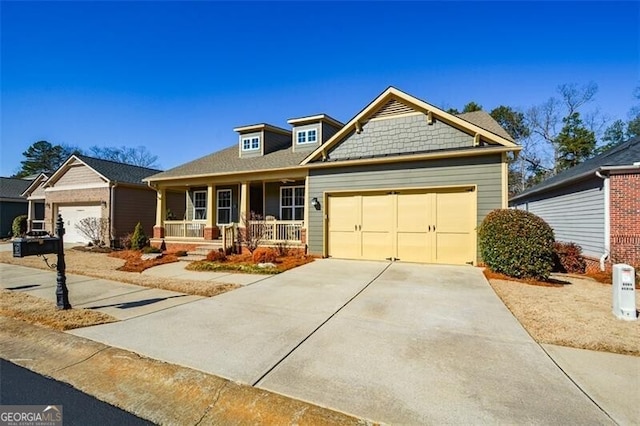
[89, 187]
[34, 195]
[402, 180]
[12, 203]
[595, 204]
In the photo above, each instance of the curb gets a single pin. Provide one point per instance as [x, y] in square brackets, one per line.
[157, 391]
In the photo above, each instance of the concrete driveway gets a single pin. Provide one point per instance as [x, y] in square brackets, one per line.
[394, 343]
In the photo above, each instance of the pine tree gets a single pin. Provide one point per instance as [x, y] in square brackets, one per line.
[575, 142]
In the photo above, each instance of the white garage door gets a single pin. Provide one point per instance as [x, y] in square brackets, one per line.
[72, 215]
[414, 226]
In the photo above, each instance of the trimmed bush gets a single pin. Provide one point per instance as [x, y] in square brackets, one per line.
[181, 253]
[517, 243]
[216, 256]
[151, 249]
[138, 239]
[265, 255]
[19, 225]
[568, 258]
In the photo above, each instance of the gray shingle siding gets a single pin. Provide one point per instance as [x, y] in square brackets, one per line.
[576, 214]
[484, 171]
[400, 135]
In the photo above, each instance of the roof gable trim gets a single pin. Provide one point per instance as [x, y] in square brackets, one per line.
[385, 99]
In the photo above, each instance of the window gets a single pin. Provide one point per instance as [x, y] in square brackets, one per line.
[292, 203]
[199, 205]
[307, 136]
[224, 206]
[250, 144]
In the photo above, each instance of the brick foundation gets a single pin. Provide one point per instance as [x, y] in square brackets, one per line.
[211, 233]
[158, 232]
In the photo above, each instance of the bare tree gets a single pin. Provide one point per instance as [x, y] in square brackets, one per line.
[138, 156]
[253, 231]
[95, 229]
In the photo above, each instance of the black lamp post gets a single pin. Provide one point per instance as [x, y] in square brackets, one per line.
[62, 293]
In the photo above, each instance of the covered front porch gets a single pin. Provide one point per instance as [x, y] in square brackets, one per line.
[274, 210]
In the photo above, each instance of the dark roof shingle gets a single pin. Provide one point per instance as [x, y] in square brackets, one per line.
[118, 172]
[486, 121]
[624, 154]
[11, 188]
[228, 161]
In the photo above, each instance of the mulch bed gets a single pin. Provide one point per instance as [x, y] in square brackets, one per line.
[551, 282]
[134, 262]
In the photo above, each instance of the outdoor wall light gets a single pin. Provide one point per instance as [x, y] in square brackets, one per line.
[315, 203]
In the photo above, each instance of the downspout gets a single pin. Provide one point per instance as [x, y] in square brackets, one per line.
[607, 219]
[112, 211]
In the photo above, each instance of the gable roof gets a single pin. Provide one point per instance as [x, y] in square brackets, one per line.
[36, 181]
[408, 101]
[227, 162]
[111, 171]
[486, 121]
[623, 156]
[12, 188]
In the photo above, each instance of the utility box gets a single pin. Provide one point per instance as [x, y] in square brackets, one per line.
[624, 292]
[34, 246]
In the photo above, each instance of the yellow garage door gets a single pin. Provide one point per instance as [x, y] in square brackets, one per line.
[412, 226]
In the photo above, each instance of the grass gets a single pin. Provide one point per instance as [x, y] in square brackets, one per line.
[38, 311]
[572, 311]
[244, 264]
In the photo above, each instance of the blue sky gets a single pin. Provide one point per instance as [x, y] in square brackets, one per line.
[177, 77]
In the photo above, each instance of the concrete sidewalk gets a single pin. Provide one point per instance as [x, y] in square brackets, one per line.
[120, 300]
[177, 270]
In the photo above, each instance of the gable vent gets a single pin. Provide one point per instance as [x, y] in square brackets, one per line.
[393, 107]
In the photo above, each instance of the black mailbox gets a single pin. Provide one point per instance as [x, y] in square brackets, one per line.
[33, 246]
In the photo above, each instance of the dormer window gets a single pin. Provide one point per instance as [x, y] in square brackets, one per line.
[251, 144]
[307, 136]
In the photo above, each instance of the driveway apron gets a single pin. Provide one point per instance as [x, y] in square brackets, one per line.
[394, 343]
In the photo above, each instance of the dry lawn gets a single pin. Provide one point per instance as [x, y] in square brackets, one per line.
[101, 265]
[576, 314]
[38, 311]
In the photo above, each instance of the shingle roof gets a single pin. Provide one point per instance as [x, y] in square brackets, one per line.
[11, 188]
[228, 161]
[118, 172]
[484, 120]
[624, 154]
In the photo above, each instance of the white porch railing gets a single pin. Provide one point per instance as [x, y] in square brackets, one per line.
[276, 231]
[184, 229]
[37, 225]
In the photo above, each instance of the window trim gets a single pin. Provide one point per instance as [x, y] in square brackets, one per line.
[250, 139]
[306, 136]
[293, 206]
[218, 208]
[199, 208]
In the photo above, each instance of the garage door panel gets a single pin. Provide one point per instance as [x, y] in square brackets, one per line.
[453, 248]
[453, 211]
[413, 212]
[72, 215]
[413, 247]
[343, 215]
[376, 245]
[377, 213]
[344, 244]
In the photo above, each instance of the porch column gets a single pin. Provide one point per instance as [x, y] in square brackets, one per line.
[161, 212]
[30, 216]
[244, 202]
[211, 231]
